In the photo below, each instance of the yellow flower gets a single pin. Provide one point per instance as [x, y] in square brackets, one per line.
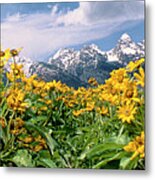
[140, 77]
[126, 112]
[92, 81]
[90, 106]
[103, 110]
[134, 65]
[10, 76]
[4, 57]
[18, 123]
[78, 112]
[48, 102]
[71, 103]
[16, 72]
[28, 82]
[42, 143]
[130, 93]
[118, 75]
[15, 100]
[37, 148]
[131, 147]
[136, 146]
[15, 52]
[2, 122]
[53, 85]
[27, 139]
[43, 108]
[15, 131]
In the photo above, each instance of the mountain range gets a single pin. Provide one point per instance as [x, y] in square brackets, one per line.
[75, 67]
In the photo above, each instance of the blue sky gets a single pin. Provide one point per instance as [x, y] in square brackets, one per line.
[43, 28]
[29, 8]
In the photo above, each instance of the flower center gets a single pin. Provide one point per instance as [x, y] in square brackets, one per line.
[113, 91]
[127, 112]
[129, 93]
[120, 79]
[14, 52]
[2, 54]
[17, 72]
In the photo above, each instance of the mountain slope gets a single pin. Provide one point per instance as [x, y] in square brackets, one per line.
[90, 61]
[75, 67]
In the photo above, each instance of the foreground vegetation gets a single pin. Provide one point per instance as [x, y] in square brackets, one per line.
[48, 124]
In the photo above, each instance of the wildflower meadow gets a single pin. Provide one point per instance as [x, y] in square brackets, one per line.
[52, 125]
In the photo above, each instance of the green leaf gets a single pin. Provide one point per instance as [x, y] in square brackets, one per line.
[4, 108]
[107, 155]
[101, 148]
[44, 154]
[123, 139]
[1, 132]
[124, 162]
[104, 162]
[133, 164]
[128, 164]
[37, 119]
[46, 163]
[23, 158]
[3, 135]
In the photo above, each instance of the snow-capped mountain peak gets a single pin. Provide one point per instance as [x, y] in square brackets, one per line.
[126, 37]
[63, 52]
[70, 66]
[125, 50]
[91, 49]
[64, 58]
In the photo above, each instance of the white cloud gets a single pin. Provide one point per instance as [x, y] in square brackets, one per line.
[102, 12]
[42, 33]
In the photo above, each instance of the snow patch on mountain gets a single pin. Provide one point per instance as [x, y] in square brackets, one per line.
[77, 66]
[126, 50]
